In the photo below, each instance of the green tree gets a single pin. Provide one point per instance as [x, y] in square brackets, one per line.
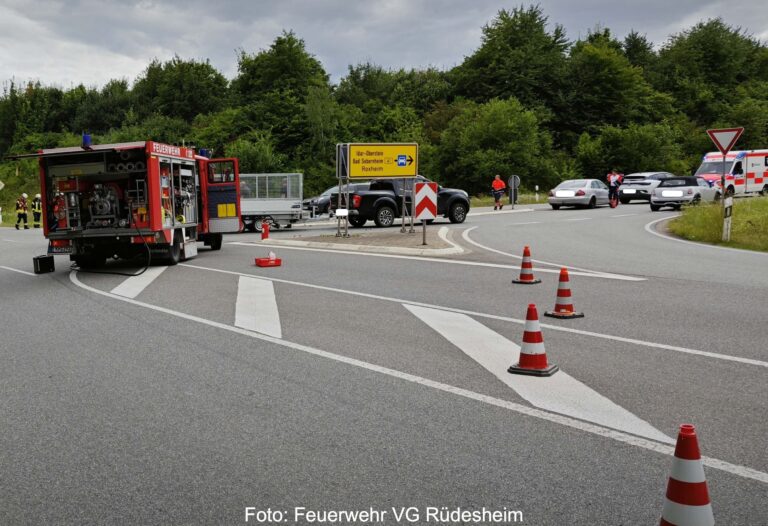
[215, 130]
[635, 148]
[180, 89]
[702, 67]
[603, 88]
[286, 67]
[518, 58]
[256, 154]
[638, 50]
[500, 136]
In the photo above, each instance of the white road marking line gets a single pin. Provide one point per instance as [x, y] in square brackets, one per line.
[560, 393]
[650, 230]
[499, 212]
[579, 219]
[527, 223]
[135, 285]
[650, 445]
[623, 215]
[663, 346]
[19, 271]
[11, 240]
[578, 271]
[256, 307]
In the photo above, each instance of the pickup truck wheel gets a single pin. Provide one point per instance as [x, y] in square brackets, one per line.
[385, 216]
[458, 213]
[655, 208]
[555, 207]
[357, 221]
[624, 200]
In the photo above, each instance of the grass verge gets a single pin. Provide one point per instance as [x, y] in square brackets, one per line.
[704, 223]
[522, 199]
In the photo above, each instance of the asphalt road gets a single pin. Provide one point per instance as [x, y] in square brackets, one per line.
[166, 407]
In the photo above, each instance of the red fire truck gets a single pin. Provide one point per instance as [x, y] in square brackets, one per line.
[124, 200]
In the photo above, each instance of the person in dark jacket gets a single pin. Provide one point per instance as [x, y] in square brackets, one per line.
[21, 211]
[37, 210]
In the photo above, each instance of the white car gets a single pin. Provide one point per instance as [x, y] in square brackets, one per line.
[679, 191]
[640, 185]
[578, 192]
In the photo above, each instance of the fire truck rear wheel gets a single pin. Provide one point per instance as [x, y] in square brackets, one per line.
[90, 261]
[216, 241]
[174, 249]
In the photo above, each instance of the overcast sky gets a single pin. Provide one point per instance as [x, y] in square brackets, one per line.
[92, 41]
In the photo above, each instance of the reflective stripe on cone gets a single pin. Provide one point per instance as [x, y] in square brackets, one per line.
[687, 500]
[563, 303]
[526, 269]
[533, 355]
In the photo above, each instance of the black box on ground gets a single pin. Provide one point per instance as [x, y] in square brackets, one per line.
[43, 264]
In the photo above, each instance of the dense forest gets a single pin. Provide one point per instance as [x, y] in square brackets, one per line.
[527, 101]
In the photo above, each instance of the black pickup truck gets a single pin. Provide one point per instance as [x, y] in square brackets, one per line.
[383, 201]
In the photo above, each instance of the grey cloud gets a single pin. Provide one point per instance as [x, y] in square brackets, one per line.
[118, 39]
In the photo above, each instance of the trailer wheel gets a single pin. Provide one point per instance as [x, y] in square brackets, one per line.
[216, 241]
[251, 227]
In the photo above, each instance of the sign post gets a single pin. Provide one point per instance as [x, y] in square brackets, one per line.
[725, 139]
[513, 183]
[426, 205]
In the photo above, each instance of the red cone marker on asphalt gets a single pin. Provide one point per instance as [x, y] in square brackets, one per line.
[687, 501]
[526, 269]
[563, 302]
[533, 356]
[271, 261]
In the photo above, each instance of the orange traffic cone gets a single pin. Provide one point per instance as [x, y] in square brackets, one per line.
[526, 269]
[563, 302]
[264, 230]
[533, 356]
[687, 500]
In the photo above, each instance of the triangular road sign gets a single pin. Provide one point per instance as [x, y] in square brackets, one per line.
[725, 138]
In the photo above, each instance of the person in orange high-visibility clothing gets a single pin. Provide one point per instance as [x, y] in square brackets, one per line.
[498, 188]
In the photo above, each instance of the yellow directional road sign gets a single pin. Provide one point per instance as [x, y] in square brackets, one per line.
[383, 160]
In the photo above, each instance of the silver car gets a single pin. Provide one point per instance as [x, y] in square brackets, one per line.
[640, 185]
[579, 192]
[679, 191]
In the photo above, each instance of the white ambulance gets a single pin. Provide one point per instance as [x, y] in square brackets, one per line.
[746, 172]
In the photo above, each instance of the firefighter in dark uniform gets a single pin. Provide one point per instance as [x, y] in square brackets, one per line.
[37, 210]
[21, 211]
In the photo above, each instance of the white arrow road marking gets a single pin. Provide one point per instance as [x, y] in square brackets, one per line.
[560, 393]
[256, 307]
[135, 285]
[649, 445]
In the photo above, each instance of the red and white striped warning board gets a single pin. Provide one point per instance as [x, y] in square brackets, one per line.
[426, 201]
